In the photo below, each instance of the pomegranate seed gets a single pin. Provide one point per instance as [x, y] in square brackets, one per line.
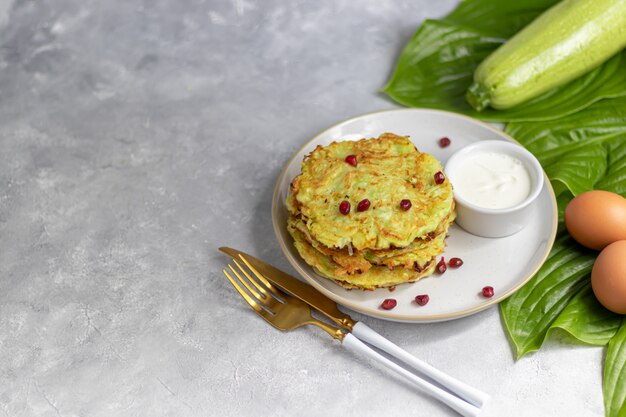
[344, 207]
[439, 178]
[441, 266]
[455, 262]
[488, 292]
[363, 205]
[405, 204]
[422, 299]
[389, 304]
[351, 159]
[444, 142]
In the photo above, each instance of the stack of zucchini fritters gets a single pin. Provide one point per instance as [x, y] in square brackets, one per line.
[380, 242]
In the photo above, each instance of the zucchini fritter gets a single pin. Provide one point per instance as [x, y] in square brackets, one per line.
[375, 277]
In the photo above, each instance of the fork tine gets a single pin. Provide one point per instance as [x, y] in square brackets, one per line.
[246, 297]
[263, 299]
[261, 289]
[245, 283]
[275, 292]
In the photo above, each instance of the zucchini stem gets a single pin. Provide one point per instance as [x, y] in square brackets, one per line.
[478, 96]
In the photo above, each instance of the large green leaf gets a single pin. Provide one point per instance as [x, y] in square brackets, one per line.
[500, 18]
[585, 156]
[579, 152]
[437, 65]
[595, 163]
[580, 169]
[587, 320]
[552, 139]
[615, 375]
[582, 151]
[529, 313]
[562, 200]
[615, 178]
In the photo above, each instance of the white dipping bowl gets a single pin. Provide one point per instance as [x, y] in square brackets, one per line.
[490, 222]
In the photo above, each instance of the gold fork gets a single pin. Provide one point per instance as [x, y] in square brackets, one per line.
[286, 312]
[279, 309]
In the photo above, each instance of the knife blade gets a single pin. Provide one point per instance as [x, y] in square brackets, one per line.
[297, 288]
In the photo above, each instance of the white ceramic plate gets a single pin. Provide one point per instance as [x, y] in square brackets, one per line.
[504, 263]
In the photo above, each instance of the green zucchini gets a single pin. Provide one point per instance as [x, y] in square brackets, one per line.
[566, 41]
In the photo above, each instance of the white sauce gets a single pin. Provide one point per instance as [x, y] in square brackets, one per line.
[492, 180]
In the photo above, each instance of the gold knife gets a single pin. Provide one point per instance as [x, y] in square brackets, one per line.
[326, 306]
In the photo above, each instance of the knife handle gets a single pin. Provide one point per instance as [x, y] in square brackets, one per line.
[464, 391]
[353, 344]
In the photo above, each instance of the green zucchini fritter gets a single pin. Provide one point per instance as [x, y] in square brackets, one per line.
[389, 169]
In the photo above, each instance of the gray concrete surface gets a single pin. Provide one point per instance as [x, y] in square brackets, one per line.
[136, 137]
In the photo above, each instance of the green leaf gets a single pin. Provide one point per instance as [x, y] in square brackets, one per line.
[487, 15]
[580, 169]
[583, 151]
[615, 178]
[436, 67]
[552, 139]
[562, 200]
[587, 320]
[615, 375]
[529, 313]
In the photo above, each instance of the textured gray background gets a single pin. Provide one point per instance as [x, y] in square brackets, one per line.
[138, 136]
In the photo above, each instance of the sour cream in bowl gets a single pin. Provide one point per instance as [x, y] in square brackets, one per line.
[495, 184]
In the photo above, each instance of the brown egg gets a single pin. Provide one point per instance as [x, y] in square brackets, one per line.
[608, 277]
[596, 218]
